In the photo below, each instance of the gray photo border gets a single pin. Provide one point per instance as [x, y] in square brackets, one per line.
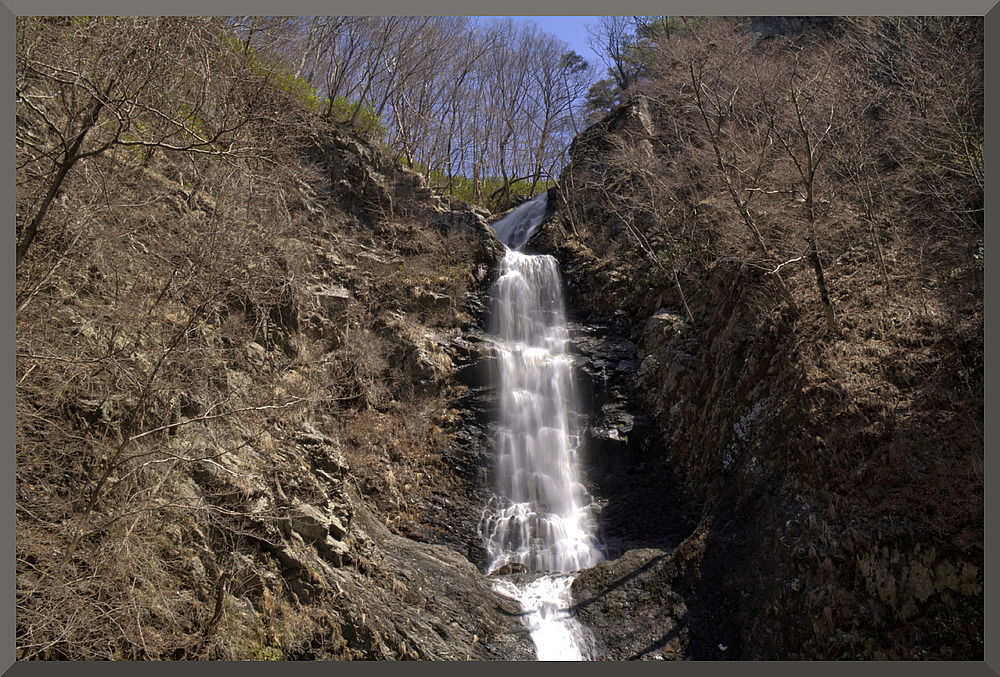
[13, 8]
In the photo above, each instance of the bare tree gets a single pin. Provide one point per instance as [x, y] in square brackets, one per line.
[576, 76]
[339, 59]
[805, 137]
[613, 39]
[137, 97]
[862, 141]
[936, 66]
[715, 81]
[496, 100]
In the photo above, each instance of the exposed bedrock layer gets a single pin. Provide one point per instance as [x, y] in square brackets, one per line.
[777, 493]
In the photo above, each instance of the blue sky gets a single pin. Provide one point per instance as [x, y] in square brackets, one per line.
[571, 30]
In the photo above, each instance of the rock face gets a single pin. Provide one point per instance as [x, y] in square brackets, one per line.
[645, 605]
[738, 519]
[417, 601]
[310, 477]
[636, 508]
[413, 592]
[395, 598]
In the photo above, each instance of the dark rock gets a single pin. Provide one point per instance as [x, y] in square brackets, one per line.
[444, 591]
[650, 604]
[663, 331]
[334, 551]
[630, 608]
[510, 568]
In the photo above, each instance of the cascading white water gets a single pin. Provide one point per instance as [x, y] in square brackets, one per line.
[540, 515]
[516, 228]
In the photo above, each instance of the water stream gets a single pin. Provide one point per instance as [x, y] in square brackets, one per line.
[541, 513]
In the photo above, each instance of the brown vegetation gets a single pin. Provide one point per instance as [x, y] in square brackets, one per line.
[217, 294]
[233, 314]
[781, 192]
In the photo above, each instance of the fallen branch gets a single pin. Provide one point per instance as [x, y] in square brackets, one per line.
[782, 265]
[208, 417]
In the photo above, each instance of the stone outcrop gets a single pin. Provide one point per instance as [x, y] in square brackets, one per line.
[732, 426]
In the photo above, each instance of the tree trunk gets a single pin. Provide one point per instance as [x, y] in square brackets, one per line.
[737, 200]
[824, 294]
[70, 157]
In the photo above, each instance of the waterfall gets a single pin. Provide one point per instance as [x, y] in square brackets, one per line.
[516, 228]
[540, 515]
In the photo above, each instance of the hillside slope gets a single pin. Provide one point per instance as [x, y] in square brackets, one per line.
[237, 385]
[836, 481]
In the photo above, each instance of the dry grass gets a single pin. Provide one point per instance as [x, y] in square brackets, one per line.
[164, 365]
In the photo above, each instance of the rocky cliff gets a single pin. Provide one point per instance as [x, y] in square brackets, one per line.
[774, 493]
[246, 435]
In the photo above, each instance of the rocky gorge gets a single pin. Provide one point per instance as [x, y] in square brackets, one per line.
[262, 429]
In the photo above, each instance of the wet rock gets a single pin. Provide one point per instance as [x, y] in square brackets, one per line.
[452, 613]
[510, 568]
[604, 353]
[474, 358]
[612, 424]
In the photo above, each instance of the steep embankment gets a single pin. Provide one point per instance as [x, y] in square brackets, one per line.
[833, 486]
[241, 429]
